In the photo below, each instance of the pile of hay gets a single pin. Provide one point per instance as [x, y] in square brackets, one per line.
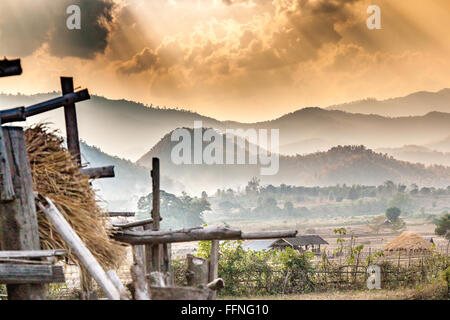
[56, 176]
[409, 242]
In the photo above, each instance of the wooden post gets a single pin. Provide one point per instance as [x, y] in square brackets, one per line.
[70, 114]
[197, 271]
[18, 221]
[214, 265]
[153, 252]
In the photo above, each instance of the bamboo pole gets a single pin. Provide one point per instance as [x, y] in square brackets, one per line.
[80, 250]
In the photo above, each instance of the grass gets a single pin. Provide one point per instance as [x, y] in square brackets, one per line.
[429, 292]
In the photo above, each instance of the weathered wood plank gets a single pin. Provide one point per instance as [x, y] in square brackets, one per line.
[6, 184]
[32, 253]
[79, 249]
[70, 115]
[100, 172]
[18, 221]
[30, 274]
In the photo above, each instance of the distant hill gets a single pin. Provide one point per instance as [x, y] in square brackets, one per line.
[441, 145]
[418, 154]
[415, 104]
[130, 183]
[339, 165]
[129, 129]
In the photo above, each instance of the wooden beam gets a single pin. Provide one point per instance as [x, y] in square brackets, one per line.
[195, 234]
[6, 184]
[12, 115]
[10, 68]
[30, 254]
[268, 235]
[133, 224]
[79, 249]
[18, 220]
[57, 102]
[98, 173]
[30, 274]
[171, 236]
[70, 115]
[121, 214]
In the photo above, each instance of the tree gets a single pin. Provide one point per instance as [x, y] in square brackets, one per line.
[392, 214]
[289, 208]
[253, 185]
[443, 226]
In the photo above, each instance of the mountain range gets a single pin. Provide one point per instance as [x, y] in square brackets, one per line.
[317, 146]
[129, 129]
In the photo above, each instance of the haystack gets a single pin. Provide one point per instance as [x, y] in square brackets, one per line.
[56, 176]
[409, 242]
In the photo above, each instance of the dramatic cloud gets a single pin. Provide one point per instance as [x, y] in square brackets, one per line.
[25, 25]
[239, 59]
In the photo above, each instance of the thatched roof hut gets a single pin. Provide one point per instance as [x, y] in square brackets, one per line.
[409, 242]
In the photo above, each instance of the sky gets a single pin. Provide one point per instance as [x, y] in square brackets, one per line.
[244, 60]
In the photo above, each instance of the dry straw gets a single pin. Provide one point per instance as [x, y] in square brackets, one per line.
[56, 176]
[409, 242]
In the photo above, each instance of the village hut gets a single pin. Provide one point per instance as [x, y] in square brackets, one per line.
[409, 242]
[299, 243]
[56, 175]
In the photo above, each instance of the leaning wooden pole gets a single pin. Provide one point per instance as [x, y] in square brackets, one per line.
[79, 249]
[18, 221]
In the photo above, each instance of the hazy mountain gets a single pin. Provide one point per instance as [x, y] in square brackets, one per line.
[131, 180]
[413, 153]
[441, 145]
[129, 129]
[339, 165]
[415, 104]
[124, 128]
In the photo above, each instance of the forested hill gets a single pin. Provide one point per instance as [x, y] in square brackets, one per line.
[338, 165]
